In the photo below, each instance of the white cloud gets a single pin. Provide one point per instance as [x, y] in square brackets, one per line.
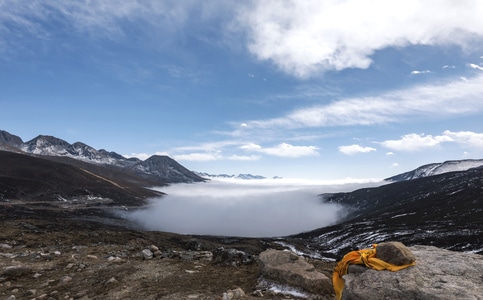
[416, 72]
[196, 157]
[244, 157]
[415, 142]
[474, 66]
[466, 138]
[389, 153]
[304, 37]
[395, 165]
[251, 146]
[241, 209]
[453, 98]
[354, 149]
[283, 150]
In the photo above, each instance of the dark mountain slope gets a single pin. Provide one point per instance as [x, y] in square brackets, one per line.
[161, 166]
[28, 178]
[443, 210]
[159, 170]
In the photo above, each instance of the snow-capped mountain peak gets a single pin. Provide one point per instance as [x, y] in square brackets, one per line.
[438, 168]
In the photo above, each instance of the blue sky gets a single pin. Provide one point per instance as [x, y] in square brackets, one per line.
[304, 89]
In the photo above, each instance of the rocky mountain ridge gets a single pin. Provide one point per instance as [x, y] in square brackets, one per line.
[161, 168]
[438, 168]
[442, 210]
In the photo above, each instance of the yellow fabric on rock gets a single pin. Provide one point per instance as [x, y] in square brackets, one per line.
[360, 257]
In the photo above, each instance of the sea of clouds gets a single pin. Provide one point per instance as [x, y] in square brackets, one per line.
[247, 208]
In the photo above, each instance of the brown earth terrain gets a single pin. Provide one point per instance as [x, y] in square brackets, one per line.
[60, 251]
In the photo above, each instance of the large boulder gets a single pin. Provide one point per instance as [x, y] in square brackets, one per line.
[285, 267]
[395, 253]
[438, 274]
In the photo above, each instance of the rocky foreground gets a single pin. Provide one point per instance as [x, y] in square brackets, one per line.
[52, 254]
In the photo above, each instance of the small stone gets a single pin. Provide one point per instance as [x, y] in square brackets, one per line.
[37, 275]
[110, 281]
[147, 254]
[65, 279]
[16, 271]
[90, 256]
[69, 266]
[114, 259]
[30, 293]
[12, 297]
[237, 293]
[57, 253]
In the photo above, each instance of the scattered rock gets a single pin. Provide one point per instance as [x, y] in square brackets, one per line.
[147, 254]
[395, 253]
[286, 267]
[237, 293]
[194, 245]
[438, 274]
[16, 271]
[64, 280]
[110, 281]
[30, 293]
[114, 259]
[232, 257]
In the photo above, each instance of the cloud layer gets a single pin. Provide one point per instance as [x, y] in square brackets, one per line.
[241, 209]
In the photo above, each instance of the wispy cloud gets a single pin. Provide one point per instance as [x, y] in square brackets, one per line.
[354, 149]
[417, 72]
[305, 37]
[196, 157]
[435, 100]
[283, 150]
[475, 66]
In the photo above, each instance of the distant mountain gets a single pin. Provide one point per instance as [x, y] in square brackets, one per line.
[161, 168]
[226, 176]
[443, 210]
[438, 168]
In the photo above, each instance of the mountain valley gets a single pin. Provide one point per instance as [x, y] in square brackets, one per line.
[59, 205]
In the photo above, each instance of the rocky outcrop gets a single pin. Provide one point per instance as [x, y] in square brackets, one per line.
[438, 274]
[285, 267]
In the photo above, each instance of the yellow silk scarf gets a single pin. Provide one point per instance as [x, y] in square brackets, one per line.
[360, 257]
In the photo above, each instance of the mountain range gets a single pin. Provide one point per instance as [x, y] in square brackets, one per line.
[157, 168]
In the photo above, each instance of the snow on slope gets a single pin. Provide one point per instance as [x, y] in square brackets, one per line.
[438, 168]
